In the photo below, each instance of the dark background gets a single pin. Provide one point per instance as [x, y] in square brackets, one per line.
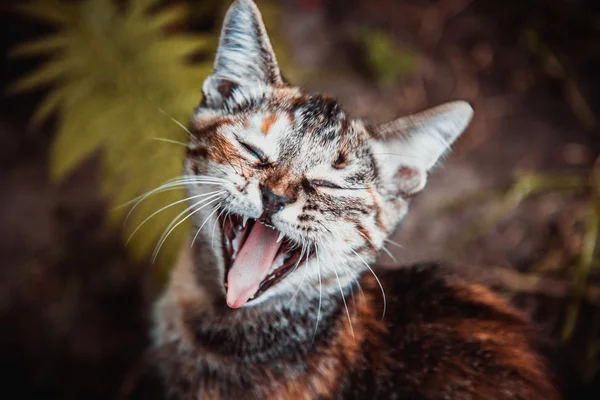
[74, 309]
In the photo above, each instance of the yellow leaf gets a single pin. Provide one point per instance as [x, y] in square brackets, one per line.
[165, 18]
[47, 45]
[179, 46]
[49, 11]
[137, 7]
[48, 106]
[118, 83]
[44, 75]
[82, 130]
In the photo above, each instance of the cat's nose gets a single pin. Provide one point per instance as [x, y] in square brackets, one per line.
[273, 202]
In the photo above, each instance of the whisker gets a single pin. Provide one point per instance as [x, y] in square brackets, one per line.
[394, 243]
[170, 141]
[168, 206]
[164, 238]
[362, 293]
[164, 188]
[173, 182]
[232, 167]
[191, 207]
[353, 295]
[343, 299]
[303, 276]
[355, 279]
[301, 255]
[175, 121]
[389, 253]
[382, 247]
[389, 154]
[205, 221]
[154, 191]
[378, 282]
[214, 226]
[320, 295]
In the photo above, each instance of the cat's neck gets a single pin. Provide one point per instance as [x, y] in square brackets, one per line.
[265, 330]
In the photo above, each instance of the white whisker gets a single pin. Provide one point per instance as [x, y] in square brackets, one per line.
[213, 229]
[382, 247]
[171, 184]
[362, 293]
[388, 253]
[164, 238]
[168, 206]
[320, 294]
[303, 276]
[343, 298]
[202, 226]
[170, 141]
[394, 243]
[378, 282]
[175, 121]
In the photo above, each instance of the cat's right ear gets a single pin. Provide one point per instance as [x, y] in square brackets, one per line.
[407, 148]
[244, 57]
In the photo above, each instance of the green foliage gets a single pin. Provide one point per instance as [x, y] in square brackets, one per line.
[118, 83]
[385, 60]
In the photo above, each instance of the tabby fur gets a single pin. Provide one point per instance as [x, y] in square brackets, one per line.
[331, 328]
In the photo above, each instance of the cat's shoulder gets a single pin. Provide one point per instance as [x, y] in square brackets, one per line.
[451, 337]
[430, 292]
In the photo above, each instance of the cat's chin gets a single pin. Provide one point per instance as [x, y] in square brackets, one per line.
[269, 258]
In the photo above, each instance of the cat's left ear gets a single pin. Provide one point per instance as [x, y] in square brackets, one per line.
[244, 57]
[406, 149]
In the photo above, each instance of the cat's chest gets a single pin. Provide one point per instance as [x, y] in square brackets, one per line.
[234, 365]
[314, 377]
[288, 355]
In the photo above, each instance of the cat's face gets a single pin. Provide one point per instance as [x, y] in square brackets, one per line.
[298, 196]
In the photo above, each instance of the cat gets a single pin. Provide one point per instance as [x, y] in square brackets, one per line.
[292, 198]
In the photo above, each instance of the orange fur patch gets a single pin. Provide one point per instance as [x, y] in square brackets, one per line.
[477, 293]
[282, 182]
[511, 350]
[267, 123]
[378, 220]
[328, 363]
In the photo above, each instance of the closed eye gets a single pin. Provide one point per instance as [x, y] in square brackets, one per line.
[257, 153]
[326, 184]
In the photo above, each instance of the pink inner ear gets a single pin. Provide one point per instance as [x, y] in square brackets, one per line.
[409, 180]
[406, 173]
[226, 87]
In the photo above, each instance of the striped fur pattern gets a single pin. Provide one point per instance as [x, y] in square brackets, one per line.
[441, 338]
[318, 333]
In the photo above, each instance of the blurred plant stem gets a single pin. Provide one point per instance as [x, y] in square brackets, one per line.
[583, 269]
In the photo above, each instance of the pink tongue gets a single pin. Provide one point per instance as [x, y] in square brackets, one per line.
[251, 264]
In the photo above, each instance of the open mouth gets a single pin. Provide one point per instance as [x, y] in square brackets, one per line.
[256, 256]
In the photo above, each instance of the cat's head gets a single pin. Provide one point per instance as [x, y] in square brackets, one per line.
[295, 193]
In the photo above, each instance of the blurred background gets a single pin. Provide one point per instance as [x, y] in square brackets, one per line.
[93, 95]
